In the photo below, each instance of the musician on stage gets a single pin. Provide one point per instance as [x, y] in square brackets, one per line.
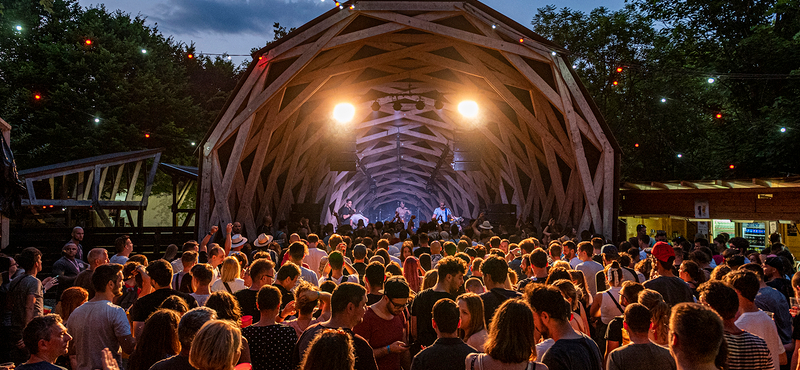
[442, 214]
[348, 214]
[403, 212]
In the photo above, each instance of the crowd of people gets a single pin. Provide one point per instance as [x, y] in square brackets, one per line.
[394, 296]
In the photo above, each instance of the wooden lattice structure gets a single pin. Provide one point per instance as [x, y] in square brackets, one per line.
[545, 147]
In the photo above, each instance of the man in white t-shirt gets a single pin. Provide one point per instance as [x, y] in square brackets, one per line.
[98, 323]
[752, 319]
[589, 267]
[314, 253]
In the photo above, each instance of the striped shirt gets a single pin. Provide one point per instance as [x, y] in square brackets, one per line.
[748, 352]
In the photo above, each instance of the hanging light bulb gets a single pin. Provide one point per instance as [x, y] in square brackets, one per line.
[420, 104]
[376, 106]
[397, 105]
[438, 104]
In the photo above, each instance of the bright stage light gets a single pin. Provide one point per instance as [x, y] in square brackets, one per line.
[468, 108]
[344, 112]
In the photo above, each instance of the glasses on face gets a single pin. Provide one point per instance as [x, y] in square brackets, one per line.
[398, 305]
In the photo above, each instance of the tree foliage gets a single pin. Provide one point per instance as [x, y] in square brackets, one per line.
[105, 81]
[662, 99]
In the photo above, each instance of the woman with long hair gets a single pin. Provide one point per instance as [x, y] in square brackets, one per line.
[217, 346]
[305, 307]
[473, 326]
[510, 343]
[159, 340]
[330, 350]
[606, 303]
[659, 315]
[411, 273]
[71, 298]
[406, 250]
[225, 305]
[579, 320]
[692, 274]
[430, 279]
[230, 279]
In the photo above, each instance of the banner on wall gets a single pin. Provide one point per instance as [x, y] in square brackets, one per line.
[701, 208]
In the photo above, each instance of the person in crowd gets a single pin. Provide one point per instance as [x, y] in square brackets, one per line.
[226, 306]
[606, 303]
[428, 281]
[25, 301]
[46, 339]
[230, 278]
[589, 267]
[659, 314]
[359, 259]
[271, 342]
[297, 252]
[308, 297]
[315, 254]
[448, 351]
[182, 280]
[334, 270]
[124, 247]
[614, 337]
[384, 325]
[176, 304]
[474, 285]
[216, 346]
[189, 325]
[551, 313]
[692, 274]
[473, 322]
[450, 272]
[201, 280]
[411, 271]
[160, 273]
[159, 340]
[745, 350]
[332, 349]
[641, 353]
[285, 280]
[348, 304]
[374, 276]
[99, 324]
[67, 268]
[76, 238]
[406, 250]
[71, 299]
[136, 284]
[697, 337]
[753, 320]
[96, 257]
[771, 300]
[672, 288]
[773, 275]
[511, 342]
[579, 319]
[423, 245]
[262, 272]
[495, 274]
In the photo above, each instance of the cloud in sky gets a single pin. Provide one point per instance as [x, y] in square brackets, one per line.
[230, 17]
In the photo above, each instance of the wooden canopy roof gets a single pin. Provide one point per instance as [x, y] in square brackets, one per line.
[544, 147]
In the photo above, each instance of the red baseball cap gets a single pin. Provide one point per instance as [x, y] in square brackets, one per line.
[663, 251]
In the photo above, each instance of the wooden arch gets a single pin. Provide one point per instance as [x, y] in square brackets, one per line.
[543, 145]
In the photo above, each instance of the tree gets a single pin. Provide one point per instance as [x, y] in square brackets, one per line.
[662, 105]
[105, 81]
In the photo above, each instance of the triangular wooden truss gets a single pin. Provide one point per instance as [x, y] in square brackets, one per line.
[546, 148]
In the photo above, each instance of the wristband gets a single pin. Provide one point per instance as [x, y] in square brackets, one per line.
[388, 349]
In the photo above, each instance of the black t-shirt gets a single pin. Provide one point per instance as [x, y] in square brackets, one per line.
[493, 299]
[614, 331]
[673, 289]
[796, 326]
[422, 250]
[573, 354]
[361, 268]
[422, 309]
[176, 362]
[270, 346]
[144, 306]
[286, 296]
[365, 358]
[248, 303]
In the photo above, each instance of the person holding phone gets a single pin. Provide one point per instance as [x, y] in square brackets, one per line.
[384, 326]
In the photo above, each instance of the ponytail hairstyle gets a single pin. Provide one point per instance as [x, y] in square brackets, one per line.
[659, 314]
[614, 274]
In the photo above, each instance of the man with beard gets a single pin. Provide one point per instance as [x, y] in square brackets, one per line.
[99, 324]
[451, 276]
[46, 339]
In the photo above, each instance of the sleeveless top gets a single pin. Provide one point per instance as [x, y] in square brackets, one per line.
[608, 309]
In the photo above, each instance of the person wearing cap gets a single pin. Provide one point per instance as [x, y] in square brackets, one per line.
[672, 288]
[233, 241]
[383, 325]
[609, 253]
[773, 274]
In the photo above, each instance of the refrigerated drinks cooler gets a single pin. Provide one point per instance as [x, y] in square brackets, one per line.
[755, 233]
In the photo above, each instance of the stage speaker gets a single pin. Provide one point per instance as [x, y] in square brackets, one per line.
[311, 211]
[343, 156]
[505, 214]
[467, 150]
